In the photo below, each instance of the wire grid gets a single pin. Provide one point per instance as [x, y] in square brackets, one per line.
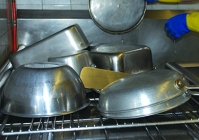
[90, 119]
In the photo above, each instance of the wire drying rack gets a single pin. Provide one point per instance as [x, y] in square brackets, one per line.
[181, 121]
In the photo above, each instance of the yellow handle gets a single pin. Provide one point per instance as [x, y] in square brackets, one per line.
[99, 78]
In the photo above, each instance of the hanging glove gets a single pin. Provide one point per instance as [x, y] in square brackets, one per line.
[182, 24]
[177, 26]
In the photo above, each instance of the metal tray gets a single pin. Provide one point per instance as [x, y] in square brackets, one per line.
[67, 40]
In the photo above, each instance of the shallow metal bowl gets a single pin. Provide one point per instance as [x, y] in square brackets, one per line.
[43, 90]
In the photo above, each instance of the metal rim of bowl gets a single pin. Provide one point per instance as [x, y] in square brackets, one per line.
[47, 115]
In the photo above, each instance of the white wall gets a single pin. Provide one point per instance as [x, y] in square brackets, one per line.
[53, 4]
[177, 6]
[83, 5]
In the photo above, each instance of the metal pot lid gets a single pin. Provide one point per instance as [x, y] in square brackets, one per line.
[141, 90]
[117, 16]
[147, 110]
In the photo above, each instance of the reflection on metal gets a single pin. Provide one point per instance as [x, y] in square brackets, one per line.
[165, 14]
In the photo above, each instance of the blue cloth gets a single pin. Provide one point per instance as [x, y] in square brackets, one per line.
[151, 1]
[177, 26]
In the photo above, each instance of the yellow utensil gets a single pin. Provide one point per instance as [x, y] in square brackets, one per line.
[99, 78]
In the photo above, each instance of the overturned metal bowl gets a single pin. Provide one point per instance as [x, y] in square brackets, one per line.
[43, 90]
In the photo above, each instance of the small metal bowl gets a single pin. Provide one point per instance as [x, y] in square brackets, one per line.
[43, 90]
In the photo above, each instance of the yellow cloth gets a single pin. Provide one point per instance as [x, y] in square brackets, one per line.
[170, 1]
[193, 21]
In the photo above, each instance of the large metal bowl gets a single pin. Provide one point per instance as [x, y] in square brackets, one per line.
[43, 90]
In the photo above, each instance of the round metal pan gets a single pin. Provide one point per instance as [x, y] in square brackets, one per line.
[117, 16]
[144, 94]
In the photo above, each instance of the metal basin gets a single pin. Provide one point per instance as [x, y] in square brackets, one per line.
[42, 90]
[129, 58]
[67, 40]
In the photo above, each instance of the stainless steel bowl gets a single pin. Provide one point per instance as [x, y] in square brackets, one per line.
[42, 90]
[77, 60]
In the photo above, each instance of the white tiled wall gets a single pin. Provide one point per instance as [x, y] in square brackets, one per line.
[83, 5]
[53, 4]
[179, 6]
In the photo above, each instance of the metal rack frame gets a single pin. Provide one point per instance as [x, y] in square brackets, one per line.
[185, 115]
